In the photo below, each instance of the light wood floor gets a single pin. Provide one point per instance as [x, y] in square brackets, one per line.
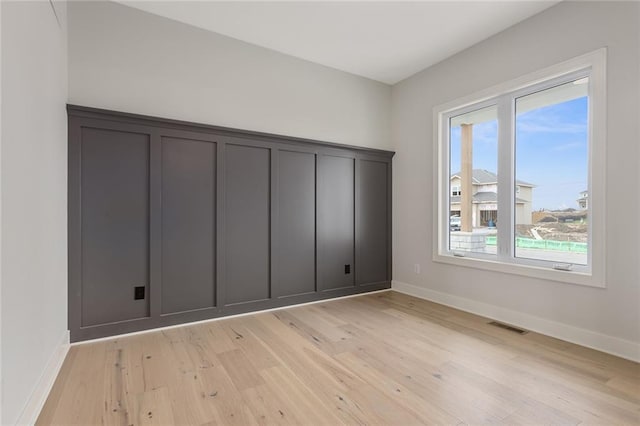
[384, 358]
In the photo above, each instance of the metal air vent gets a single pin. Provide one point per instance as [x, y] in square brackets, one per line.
[508, 327]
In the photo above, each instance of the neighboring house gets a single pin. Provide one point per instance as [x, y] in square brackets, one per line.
[485, 198]
[583, 201]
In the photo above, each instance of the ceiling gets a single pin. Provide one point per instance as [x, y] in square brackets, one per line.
[384, 41]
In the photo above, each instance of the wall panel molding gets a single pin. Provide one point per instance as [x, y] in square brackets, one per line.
[233, 221]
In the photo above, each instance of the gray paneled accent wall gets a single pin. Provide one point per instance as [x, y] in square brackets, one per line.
[171, 222]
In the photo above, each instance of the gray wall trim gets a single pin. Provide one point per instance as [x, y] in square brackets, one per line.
[276, 293]
[125, 117]
[155, 225]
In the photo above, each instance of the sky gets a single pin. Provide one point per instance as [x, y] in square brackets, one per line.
[551, 152]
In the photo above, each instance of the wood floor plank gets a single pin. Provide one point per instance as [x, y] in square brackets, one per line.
[423, 378]
[258, 355]
[116, 406]
[82, 395]
[153, 408]
[50, 409]
[384, 358]
[630, 387]
[301, 399]
[411, 402]
[242, 372]
[221, 399]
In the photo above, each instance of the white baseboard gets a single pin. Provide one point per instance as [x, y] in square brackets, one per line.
[45, 383]
[591, 339]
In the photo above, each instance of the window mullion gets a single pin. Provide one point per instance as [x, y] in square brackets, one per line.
[444, 183]
[506, 181]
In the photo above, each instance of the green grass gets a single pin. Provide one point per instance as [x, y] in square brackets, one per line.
[521, 242]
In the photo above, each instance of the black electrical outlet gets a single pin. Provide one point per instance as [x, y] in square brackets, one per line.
[347, 269]
[138, 293]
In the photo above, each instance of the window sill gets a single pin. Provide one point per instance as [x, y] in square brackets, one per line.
[569, 277]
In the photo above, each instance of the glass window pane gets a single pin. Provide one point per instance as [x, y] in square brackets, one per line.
[473, 183]
[551, 163]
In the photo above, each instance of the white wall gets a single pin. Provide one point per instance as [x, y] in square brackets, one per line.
[33, 180]
[611, 315]
[128, 60]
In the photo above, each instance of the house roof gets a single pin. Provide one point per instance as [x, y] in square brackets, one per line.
[485, 197]
[484, 177]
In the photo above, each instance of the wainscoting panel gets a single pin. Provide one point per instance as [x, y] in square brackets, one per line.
[247, 219]
[336, 225]
[115, 224]
[188, 224]
[296, 223]
[373, 222]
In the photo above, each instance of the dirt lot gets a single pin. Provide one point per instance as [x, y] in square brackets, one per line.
[576, 232]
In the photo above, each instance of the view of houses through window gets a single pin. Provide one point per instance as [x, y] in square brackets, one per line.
[474, 179]
[550, 176]
[551, 148]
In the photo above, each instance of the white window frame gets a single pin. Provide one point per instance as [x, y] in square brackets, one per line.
[503, 95]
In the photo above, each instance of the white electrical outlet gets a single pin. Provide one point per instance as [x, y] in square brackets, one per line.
[416, 268]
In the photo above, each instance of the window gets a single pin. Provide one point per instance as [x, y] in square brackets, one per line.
[515, 165]
[551, 150]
